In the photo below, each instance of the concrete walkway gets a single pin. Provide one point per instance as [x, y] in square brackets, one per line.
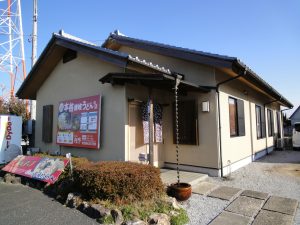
[169, 176]
[249, 207]
[23, 205]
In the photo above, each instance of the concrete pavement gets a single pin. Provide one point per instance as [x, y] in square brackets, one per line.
[21, 205]
[250, 207]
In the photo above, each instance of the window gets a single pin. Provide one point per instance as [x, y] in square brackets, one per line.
[260, 122]
[270, 123]
[278, 125]
[47, 123]
[233, 117]
[187, 122]
[297, 127]
[236, 117]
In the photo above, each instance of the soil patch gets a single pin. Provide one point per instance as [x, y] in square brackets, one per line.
[286, 170]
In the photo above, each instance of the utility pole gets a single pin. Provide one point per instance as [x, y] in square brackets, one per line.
[12, 56]
[34, 53]
[34, 34]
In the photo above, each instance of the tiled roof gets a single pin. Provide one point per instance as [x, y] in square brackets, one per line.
[149, 64]
[215, 60]
[117, 34]
[74, 39]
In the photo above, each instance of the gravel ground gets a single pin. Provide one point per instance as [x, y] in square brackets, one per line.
[277, 174]
[202, 209]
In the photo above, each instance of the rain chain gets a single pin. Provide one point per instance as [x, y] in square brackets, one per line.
[177, 129]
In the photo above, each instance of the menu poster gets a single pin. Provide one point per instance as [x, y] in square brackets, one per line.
[79, 122]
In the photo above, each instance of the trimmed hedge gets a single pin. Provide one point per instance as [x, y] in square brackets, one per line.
[121, 182]
[75, 160]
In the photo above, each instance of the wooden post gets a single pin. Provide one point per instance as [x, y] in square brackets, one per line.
[151, 159]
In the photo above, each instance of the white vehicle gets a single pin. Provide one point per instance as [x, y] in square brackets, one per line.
[10, 137]
[296, 135]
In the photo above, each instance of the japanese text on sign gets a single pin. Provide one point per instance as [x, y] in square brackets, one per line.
[78, 122]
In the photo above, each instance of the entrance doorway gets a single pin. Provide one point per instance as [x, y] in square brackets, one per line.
[137, 149]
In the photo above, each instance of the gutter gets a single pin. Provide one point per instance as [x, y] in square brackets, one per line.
[219, 113]
[258, 80]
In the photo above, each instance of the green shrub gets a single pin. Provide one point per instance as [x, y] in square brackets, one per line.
[121, 182]
[129, 212]
[181, 219]
[106, 220]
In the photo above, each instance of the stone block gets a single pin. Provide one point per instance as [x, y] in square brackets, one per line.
[225, 193]
[204, 188]
[117, 216]
[255, 194]
[227, 218]
[281, 205]
[245, 206]
[265, 217]
[159, 219]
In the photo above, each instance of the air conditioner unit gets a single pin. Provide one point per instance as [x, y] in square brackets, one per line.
[279, 143]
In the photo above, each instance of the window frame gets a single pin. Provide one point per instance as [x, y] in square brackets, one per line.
[47, 125]
[258, 123]
[239, 117]
[262, 117]
[270, 118]
[186, 127]
[297, 127]
[278, 120]
[235, 119]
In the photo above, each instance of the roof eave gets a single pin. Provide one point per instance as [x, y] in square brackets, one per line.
[238, 65]
[34, 68]
[57, 40]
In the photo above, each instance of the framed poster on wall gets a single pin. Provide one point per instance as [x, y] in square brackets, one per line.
[78, 122]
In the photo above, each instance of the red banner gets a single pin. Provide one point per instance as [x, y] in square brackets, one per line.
[40, 168]
[78, 122]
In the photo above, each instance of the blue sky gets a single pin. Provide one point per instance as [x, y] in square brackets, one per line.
[263, 34]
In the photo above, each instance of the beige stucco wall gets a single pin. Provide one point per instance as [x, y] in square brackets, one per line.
[195, 73]
[79, 78]
[235, 149]
[203, 155]
[206, 153]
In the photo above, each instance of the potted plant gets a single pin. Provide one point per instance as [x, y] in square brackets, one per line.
[181, 191]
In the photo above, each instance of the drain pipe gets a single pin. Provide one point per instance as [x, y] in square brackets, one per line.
[219, 113]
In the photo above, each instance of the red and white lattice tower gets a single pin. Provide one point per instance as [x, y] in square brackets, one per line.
[12, 56]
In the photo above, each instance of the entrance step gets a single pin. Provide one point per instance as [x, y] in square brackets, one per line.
[204, 188]
[170, 176]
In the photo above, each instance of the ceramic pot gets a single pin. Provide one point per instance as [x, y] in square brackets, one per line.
[180, 191]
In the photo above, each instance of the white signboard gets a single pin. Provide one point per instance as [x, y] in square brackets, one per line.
[10, 137]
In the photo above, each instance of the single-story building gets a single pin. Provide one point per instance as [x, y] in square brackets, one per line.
[228, 116]
[295, 117]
